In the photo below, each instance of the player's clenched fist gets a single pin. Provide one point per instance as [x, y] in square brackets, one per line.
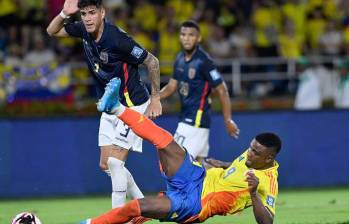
[252, 181]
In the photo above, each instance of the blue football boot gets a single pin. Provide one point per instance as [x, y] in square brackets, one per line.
[110, 99]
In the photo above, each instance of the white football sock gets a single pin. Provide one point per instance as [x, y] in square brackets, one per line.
[119, 110]
[118, 180]
[133, 190]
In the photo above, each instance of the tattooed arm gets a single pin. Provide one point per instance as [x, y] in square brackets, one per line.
[154, 109]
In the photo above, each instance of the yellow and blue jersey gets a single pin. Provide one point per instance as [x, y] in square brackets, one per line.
[225, 191]
[115, 55]
[196, 78]
[197, 195]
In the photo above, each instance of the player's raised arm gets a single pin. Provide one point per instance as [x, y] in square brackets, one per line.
[224, 98]
[261, 213]
[56, 26]
[154, 109]
[169, 89]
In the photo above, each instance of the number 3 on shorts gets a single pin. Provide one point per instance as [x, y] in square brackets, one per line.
[125, 133]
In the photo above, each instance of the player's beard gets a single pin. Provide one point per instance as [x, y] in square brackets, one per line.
[90, 29]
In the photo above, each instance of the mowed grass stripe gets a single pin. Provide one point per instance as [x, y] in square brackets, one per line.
[293, 207]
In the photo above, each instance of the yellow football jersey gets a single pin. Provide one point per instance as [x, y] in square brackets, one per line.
[225, 191]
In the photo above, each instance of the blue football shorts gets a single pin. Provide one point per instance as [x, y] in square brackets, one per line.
[184, 190]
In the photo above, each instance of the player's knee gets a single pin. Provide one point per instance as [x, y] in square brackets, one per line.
[114, 163]
[103, 166]
[163, 139]
[146, 207]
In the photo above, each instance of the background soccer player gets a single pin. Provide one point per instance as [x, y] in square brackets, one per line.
[194, 77]
[109, 53]
[193, 195]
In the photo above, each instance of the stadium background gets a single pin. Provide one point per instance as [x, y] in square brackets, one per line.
[49, 124]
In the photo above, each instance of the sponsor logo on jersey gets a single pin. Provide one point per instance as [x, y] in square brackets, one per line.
[96, 68]
[137, 52]
[270, 200]
[174, 215]
[241, 158]
[141, 118]
[191, 73]
[215, 74]
[229, 172]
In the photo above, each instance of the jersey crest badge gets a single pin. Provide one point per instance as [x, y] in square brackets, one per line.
[104, 56]
[191, 73]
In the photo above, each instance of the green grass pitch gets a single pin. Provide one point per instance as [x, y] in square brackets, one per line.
[293, 207]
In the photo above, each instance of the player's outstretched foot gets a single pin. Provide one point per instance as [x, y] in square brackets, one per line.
[110, 99]
[88, 221]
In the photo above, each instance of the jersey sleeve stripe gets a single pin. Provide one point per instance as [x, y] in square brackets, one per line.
[270, 181]
[126, 94]
[272, 184]
[198, 118]
[201, 107]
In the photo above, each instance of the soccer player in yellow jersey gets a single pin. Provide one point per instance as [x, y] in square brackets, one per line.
[194, 194]
[231, 187]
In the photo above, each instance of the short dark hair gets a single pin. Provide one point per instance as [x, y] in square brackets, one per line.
[85, 3]
[269, 140]
[191, 24]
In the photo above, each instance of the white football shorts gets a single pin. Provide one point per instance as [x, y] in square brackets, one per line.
[113, 131]
[195, 140]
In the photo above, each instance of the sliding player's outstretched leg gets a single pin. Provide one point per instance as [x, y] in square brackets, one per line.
[183, 175]
[153, 207]
[170, 153]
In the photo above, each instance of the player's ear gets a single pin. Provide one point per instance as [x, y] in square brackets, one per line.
[103, 12]
[199, 39]
[269, 158]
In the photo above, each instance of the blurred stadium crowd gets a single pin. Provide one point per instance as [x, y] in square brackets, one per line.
[34, 68]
